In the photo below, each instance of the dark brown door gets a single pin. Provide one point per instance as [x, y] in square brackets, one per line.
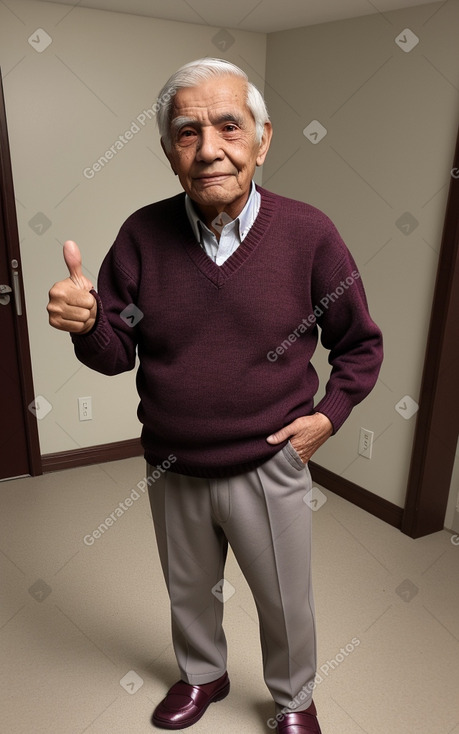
[19, 447]
[437, 426]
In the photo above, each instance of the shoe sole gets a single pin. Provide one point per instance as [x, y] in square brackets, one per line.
[166, 725]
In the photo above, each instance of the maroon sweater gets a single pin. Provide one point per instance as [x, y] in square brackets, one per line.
[225, 351]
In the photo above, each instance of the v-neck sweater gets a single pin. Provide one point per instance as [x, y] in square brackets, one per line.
[225, 351]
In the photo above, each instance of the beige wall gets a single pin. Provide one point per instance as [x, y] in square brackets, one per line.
[452, 511]
[65, 106]
[391, 119]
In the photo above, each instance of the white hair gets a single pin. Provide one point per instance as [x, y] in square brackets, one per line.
[193, 74]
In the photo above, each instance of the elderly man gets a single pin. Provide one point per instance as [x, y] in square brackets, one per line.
[221, 290]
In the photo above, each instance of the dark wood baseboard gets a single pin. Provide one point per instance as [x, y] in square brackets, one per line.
[377, 506]
[92, 455]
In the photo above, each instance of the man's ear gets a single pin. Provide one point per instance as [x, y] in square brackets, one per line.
[168, 156]
[265, 143]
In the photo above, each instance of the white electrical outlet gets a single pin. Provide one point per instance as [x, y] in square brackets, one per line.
[366, 443]
[85, 409]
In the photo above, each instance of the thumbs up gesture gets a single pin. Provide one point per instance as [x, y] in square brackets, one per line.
[71, 306]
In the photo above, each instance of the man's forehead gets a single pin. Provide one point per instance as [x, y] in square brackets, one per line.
[213, 94]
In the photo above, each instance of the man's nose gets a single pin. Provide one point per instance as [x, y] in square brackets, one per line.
[209, 146]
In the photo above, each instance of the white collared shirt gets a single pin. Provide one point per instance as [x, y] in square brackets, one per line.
[233, 231]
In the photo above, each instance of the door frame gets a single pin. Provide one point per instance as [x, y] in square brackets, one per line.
[437, 425]
[21, 330]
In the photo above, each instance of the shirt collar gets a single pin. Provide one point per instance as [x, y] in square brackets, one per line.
[244, 220]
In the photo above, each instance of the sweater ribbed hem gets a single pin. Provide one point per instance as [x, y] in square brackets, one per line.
[213, 472]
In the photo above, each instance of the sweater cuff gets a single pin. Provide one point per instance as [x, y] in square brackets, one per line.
[98, 338]
[336, 406]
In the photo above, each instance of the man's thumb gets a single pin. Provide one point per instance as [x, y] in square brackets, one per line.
[72, 259]
[279, 436]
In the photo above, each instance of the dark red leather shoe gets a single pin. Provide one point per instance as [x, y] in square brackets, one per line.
[184, 704]
[301, 722]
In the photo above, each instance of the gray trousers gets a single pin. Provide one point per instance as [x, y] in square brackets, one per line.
[263, 517]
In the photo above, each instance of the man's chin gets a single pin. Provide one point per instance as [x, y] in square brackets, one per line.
[213, 196]
[220, 187]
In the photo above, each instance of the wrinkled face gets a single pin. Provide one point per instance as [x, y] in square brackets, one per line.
[214, 150]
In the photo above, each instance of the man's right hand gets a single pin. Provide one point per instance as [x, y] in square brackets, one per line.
[71, 306]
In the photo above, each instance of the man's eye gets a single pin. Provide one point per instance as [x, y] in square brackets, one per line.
[186, 133]
[230, 128]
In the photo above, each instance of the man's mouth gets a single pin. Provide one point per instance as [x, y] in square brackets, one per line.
[212, 177]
